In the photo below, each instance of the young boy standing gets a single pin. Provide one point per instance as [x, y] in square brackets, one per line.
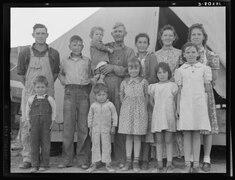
[102, 120]
[40, 117]
[75, 76]
[38, 59]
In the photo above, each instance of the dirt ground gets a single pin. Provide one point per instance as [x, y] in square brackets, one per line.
[218, 160]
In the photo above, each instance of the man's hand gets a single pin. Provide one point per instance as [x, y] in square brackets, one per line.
[106, 69]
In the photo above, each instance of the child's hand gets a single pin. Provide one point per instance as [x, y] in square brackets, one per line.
[113, 130]
[90, 132]
[52, 125]
[110, 50]
[177, 113]
[207, 87]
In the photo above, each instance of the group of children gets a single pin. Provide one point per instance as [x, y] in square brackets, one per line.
[178, 101]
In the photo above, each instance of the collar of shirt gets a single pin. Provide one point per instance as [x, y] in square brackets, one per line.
[107, 100]
[196, 65]
[115, 45]
[147, 53]
[164, 48]
[41, 97]
[134, 81]
[34, 48]
[75, 59]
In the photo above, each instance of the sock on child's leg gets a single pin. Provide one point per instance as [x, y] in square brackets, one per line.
[128, 158]
[207, 159]
[195, 163]
[136, 159]
[169, 163]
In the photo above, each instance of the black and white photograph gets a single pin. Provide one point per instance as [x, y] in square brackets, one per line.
[129, 89]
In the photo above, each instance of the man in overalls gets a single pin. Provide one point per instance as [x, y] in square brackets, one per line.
[116, 70]
[38, 59]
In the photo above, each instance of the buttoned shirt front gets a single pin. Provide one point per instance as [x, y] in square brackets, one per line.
[75, 71]
[102, 116]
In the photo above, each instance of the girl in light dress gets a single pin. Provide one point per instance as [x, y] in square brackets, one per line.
[198, 36]
[172, 56]
[193, 79]
[133, 119]
[162, 98]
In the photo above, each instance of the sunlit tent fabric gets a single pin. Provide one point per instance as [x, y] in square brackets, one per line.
[146, 19]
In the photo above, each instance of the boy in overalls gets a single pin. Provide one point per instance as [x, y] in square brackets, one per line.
[38, 59]
[40, 117]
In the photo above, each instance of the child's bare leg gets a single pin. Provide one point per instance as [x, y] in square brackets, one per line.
[159, 138]
[169, 148]
[137, 146]
[196, 148]
[129, 147]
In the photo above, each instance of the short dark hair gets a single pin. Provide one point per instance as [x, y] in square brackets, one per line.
[189, 44]
[135, 60]
[75, 38]
[36, 26]
[40, 79]
[167, 27]
[165, 67]
[142, 35]
[198, 26]
[99, 87]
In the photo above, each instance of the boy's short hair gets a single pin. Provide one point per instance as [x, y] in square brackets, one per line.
[75, 38]
[36, 26]
[100, 87]
[94, 29]
[40, 79]
[165, 67]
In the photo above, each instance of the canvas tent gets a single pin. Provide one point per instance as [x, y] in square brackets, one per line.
[149, 20]
[146, 19]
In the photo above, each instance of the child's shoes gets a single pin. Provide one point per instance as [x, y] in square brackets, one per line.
[109, 168]
[127, 166]
[34, 170]
[91, 168]
[136, 167]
